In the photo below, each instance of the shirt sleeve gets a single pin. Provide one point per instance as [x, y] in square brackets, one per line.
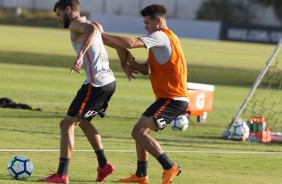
[155, 39]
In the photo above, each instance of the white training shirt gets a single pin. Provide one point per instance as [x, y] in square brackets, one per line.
[96, 62]
[159, 43]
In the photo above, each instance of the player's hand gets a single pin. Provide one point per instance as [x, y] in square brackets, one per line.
[129, 57]
[128, 69]
[129, 72]
[76, 66]
[99, 26]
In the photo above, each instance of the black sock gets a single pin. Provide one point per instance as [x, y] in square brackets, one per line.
[141, 169]
[63, 166]
[102, 161]
[165, 161]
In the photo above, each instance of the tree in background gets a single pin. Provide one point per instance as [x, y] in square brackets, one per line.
[276, 4]
[234, 11]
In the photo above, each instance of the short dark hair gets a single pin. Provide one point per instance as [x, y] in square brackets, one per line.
[62, 4]
[154, 11]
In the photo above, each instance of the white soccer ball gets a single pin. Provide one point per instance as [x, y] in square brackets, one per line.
[180, 123]
[240, 130]
[20, 168]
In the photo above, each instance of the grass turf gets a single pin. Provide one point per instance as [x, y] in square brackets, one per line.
[203, 155]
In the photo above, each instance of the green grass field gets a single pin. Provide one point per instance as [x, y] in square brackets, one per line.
[34, 69]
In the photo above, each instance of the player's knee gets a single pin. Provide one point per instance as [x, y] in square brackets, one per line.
[83, 124]
[134, 132]
[62, 124]
[65, 124]
[137, 133]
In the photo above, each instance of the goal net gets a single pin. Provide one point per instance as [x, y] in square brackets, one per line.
[265, 96]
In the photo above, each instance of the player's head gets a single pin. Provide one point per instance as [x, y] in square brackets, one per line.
[63, 10]
[153, 15]
[154, 11]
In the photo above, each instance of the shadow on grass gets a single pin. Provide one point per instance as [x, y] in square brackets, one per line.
[28, 131]
[197, 73]
[27, 114]
[4, 176]
[25, 58]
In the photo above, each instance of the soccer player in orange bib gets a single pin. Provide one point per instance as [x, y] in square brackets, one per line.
[167, 68]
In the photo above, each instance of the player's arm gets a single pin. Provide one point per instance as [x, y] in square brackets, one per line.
[123, 54]
[120, 41]
[139, 67]
[125, 42]
[87, 32]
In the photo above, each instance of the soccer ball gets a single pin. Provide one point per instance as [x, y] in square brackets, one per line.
[20, 168]
[180, 123]
[240, 130]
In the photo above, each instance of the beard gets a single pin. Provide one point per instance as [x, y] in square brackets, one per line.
[66, 21]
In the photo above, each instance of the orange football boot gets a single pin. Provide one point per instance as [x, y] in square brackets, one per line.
[135, 179]
[169, 175]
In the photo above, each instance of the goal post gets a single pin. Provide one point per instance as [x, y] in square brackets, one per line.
[265, 97]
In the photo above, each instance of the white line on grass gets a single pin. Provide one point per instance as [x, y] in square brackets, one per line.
[172, 151]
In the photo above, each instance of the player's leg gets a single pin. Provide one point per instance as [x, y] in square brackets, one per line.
[156, 118]
[141, 135]
[141, 131]
[92, 134]
[97, 103]
[67, 126]
[140, 175]
[142, 161]
[94, 139]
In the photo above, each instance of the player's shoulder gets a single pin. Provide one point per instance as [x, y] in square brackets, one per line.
[80, 23]
[80, 20]
[158, 35]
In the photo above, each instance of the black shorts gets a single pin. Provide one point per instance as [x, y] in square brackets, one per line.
[164, 110]
[90, 101]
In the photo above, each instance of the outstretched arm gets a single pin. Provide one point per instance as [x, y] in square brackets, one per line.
[123, 42]
[120, 41]
[123, 54]
[131, 65]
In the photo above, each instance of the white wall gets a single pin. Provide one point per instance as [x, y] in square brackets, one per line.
[183, 28]
[15, 3]
[177, 9]
[184, 9]
[124, 7]
[45, 4]
[124, 15]
[95, 6]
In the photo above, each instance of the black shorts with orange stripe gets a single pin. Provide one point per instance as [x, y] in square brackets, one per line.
[164, 110]
[90, 101]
